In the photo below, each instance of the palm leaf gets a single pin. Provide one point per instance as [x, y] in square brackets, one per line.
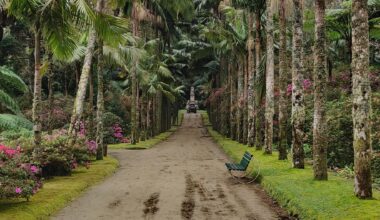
[9, 102]
[14, 122]
[9, 79]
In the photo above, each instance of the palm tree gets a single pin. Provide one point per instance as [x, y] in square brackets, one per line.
[320, 81]
[298, 106]
[51, 21]
[269, 100]
[283, 79]
[361, 92]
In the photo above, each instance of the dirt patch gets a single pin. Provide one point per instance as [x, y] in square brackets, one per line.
[114, 204]
[188, 203]
[151, 204]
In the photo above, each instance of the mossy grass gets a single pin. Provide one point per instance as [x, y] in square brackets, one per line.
[296, 190]
[57, 192]
[142, 145]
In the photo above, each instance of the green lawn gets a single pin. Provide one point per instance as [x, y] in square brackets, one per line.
[151, 142]
[298, 192]
[57, 192]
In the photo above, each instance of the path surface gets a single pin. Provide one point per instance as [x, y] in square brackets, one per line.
[183, 177]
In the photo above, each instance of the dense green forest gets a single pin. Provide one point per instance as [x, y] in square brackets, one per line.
[298, 77]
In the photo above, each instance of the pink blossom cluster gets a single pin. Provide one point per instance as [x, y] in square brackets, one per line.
[82, 130]
[92, 146]
[306, 83]
[118, 133]
[9, 152]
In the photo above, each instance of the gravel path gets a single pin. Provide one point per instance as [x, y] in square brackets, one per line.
[183, 177]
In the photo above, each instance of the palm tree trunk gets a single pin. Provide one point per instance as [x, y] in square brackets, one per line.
[320, 86]
[258, 123]
[361, 92]
[240, 95]
[251, 82]
[232, 103]
[100, 105]
[50, 99]
[245, 103]
[298, 106]
[269, 98]
[90, 129]
[135, 31]
[37, 89]
[82, 86]
[283, 79]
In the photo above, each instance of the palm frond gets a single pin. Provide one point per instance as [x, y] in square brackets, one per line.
[9, 79]
[9, 102]
[14, 122]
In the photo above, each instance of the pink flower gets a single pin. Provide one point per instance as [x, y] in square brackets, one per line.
[307, 84]
[289, 89]
[18, 190]
[34, 169]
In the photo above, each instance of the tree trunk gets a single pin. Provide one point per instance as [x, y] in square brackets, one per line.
[361, 92]
[269, 95]
[298, 106]
[245, 102]
[37, 88]
[320, 86]
[283, 79]
[135, 31]
[100, 105]
[251, 82]
[240, 104]
[232, 102]
[91, 126]
[50, 98]
[82, 86]
[259, 133]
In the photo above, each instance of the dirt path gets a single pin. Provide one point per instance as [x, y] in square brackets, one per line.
[181, 178]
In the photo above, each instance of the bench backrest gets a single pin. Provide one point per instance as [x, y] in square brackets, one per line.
[245, 160]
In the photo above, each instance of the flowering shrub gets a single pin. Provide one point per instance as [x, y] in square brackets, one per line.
[18, 177]
[56, 158]
[118, 134]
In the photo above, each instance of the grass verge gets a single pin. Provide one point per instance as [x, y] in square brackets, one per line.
[142, 145]
[297, 191]
[57, 192]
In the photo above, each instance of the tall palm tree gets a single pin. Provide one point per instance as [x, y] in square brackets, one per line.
[269, 98]
[361, 92]
[51, 21]
[320, 83]
[298, 105]
[102, 26]
[283, 79]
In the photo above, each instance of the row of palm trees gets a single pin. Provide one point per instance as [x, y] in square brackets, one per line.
[249, 83]
[108, 41]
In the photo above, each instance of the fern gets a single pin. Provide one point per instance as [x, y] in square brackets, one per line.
[9, 102]
[14, 122]
[9, 79]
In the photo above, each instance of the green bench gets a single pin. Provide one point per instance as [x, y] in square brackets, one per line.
[240, 167]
